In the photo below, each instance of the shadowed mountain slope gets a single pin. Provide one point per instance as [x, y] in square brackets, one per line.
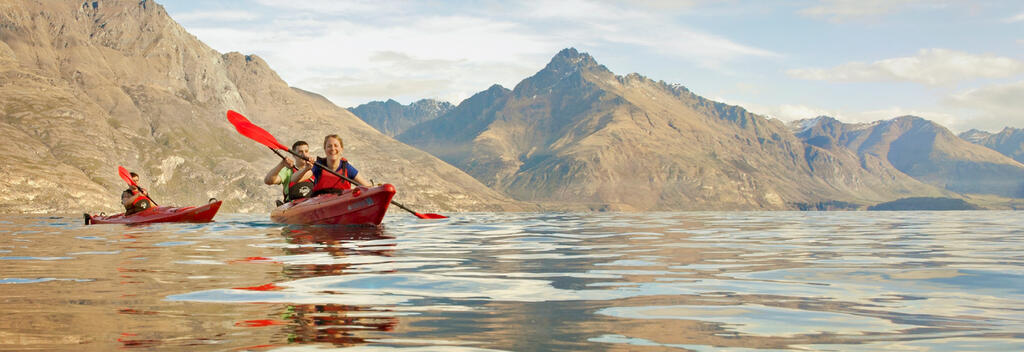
[87, 86]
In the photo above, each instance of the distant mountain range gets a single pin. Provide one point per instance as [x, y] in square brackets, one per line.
[920, 149]
[87, 86]
[1009, 141]
[392, 118]
[577, 135]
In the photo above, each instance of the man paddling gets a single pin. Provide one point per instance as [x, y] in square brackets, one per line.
[282, 174]
[135, 198]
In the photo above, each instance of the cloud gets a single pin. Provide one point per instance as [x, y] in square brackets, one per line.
[222, 15]
[992, 107]
[451, 52]
[614, 23]
[790, 112]
[216, 16]
[849, 10]
[930, 67]
[1018, 18]
[366, 89]
[793, 112]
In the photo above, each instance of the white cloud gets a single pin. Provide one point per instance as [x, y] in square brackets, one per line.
[848, 10]
[790, 112]
[600, 23]
[793, 112]
[992, 107]
[1018, 18]
[218, 16]
[929, 66]
[449, 53]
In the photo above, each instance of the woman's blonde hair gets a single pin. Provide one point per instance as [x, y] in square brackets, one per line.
[340, 143]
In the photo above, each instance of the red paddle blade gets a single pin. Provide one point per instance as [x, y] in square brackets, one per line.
[248, 129]
[430, 216]
[127, 177]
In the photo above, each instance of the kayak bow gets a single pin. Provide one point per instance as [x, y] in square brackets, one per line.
[358, 206]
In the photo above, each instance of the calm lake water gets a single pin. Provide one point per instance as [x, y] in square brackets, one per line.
[704, 281]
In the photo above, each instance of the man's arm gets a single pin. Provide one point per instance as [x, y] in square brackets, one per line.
[272, 178]
[127, 198]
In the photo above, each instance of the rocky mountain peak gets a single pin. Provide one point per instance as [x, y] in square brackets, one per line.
[392, 118]
[569, 70]
[1009, 141]
[975, 136]
[571, 60]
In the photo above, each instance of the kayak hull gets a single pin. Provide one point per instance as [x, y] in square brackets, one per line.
[202, 213]
[358, 206]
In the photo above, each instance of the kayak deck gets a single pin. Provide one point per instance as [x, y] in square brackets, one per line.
[357, 206]
[202, 213]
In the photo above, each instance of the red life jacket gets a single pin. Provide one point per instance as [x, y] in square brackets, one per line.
[326, 180]
[139, 199]
[137, 205]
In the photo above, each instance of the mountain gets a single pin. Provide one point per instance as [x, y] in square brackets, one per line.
[1009, 141]
[578, 135]
[87, 86]
[920, 149]
[392, 118]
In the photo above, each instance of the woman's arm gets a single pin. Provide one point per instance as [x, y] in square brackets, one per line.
[302, 174]
[361, 181]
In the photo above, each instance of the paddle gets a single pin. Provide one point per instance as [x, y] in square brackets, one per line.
[127, 177]
[248, 129]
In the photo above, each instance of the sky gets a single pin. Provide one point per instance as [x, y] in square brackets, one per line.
[958, 63]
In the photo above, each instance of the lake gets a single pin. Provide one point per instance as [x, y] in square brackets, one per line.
[702, 281]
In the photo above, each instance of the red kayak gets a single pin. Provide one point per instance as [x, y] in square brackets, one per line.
[357, 206]
[203, 213]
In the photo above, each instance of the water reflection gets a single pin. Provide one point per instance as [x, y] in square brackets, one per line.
[672, 281]
[337, 324]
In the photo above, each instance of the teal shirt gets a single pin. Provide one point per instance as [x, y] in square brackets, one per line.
[286, 176]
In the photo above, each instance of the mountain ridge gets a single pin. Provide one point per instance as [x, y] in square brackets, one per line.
[89, 86]
[392, 118]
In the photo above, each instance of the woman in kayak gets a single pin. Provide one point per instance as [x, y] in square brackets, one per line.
[135, 199]
[325, 182]
[282, 174]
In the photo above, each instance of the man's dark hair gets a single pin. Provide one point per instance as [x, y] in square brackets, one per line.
[299, 143]
[132, 174]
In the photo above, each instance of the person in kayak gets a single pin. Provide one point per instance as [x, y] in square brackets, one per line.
[135, 199]
[282, 174]
[325, 182]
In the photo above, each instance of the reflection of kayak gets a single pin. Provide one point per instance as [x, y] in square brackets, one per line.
[358, 206]
[202, 213]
